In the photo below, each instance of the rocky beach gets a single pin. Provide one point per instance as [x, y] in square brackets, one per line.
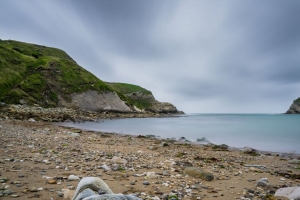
[41, 160]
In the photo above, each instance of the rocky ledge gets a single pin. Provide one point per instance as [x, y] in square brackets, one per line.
[62, 114]
[295, 107]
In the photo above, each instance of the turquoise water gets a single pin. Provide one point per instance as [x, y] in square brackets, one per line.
[268, 132]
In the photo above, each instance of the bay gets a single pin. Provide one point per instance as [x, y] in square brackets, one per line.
[267, 132]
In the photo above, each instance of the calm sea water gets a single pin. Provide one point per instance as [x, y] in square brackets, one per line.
[268, 132]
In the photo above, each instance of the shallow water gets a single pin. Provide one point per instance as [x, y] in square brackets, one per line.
[267, 132]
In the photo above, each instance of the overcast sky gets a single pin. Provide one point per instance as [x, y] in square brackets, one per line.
[213, 56]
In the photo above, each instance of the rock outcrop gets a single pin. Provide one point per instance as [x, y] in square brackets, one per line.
[143, 99]
[295, 107]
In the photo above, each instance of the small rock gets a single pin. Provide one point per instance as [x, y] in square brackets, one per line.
[146, 183]
[263, 182]
[198, 173]
[118, 160]
[73, 178]
[51, 181]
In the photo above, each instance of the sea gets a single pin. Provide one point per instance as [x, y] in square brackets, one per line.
[265, 132]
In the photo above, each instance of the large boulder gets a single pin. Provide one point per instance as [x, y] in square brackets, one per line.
[292, 193]
[93, 188]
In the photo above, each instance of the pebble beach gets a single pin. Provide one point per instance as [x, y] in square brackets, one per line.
[41, 160]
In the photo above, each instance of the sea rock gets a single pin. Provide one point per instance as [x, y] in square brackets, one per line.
[295, 107]
[202, 140]
[73, 178]
[292, 193]
[249, 150]
[118, 160]
[198, 173]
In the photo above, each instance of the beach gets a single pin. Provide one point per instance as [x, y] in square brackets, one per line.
[37, 159]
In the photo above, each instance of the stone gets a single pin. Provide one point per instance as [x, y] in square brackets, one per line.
[118, 160]
[51, 181]
[106, 168]
[292, 193]
[146, 183]
[151, 175]
[73, 134]
[198, 173]
[73, 178]
[263, 182]
[31, 120]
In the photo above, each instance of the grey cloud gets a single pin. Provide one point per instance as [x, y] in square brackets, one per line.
[203, 56]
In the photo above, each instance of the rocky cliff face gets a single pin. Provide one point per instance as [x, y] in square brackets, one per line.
[295, 107]
[143, 99]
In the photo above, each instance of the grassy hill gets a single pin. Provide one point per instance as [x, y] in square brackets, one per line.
[38, 74]
[49, 77]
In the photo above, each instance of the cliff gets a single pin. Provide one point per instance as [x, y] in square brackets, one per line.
[143, 99]
[37, 75]
[295, 107]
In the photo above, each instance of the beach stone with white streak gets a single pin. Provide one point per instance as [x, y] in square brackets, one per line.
[198, 173]
[118, 160]
[292, 193]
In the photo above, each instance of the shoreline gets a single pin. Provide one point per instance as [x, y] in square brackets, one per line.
[250, 149]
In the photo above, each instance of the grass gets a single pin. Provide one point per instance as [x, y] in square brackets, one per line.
[38, 74]
[297, 100]
[126, 88]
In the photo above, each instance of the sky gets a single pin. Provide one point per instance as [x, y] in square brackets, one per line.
[203, 56]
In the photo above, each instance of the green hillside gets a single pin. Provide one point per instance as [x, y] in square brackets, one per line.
[38, 74]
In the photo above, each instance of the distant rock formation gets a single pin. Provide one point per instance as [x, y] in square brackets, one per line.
[295, 107]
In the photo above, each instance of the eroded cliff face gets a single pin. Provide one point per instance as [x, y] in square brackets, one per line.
[94, 101]
[295, 107]
[152, 104]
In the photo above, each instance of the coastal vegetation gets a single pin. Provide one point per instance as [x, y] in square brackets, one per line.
[37, 75]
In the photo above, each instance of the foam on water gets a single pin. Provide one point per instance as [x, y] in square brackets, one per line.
[268, 132]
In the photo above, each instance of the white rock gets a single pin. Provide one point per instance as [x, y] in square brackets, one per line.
[106, 168]
[151, 175]
[118, 160]
[73, 178]
[31, 120]
[292, 193]
[73, 134]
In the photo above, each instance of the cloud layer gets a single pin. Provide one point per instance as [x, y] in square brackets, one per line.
[203, 56]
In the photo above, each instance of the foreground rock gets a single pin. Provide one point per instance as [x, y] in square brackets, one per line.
[295, 107]
[93, 188]
[292, 193]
